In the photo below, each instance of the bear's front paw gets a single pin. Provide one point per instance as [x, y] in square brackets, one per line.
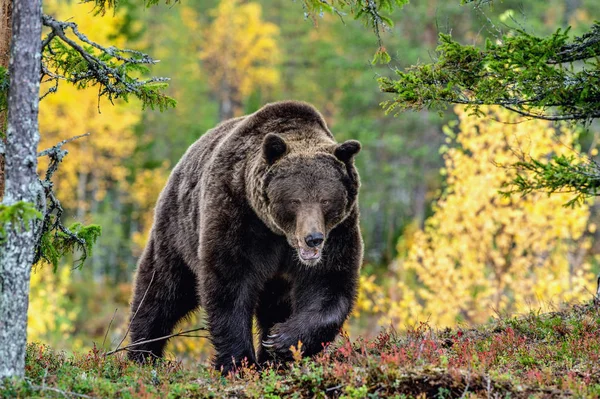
[279, 341]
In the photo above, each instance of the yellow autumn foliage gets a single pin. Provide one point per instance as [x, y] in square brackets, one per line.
[51, 314]
[95, 161]
[194, 348]
[480, 253]
[239, 50]
[371, 298]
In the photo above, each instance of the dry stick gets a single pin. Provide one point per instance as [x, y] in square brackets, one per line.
[135, 314]
[58, 146]
[179, 334]
[108, 329]
[60, 391]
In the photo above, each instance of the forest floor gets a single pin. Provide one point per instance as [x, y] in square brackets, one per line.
[539, 355]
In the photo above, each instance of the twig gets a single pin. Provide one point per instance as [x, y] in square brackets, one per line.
[566, 117]
[108, 329]
[55, 149]
[60, 391]
[147, 341]
[467, 386]
[135, 314]
[334, 388]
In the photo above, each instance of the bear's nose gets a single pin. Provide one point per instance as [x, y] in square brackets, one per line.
[314, 239]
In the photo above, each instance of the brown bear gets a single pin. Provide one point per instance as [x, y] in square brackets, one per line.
[258, 219]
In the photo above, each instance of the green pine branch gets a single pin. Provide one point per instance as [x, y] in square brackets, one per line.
[561, 174]
[76, 59]
[534, 76]
[551, 78]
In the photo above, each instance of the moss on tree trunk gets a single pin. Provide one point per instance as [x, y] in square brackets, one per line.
[5, 36]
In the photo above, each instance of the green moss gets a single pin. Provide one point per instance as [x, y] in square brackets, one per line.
[20, 215]
[77, 238]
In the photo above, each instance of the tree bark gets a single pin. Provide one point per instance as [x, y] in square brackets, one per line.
[5, 36]
[22, 184]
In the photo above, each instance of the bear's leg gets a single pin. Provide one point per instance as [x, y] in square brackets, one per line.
[274, 306]
[229, 300]
[323, 297]
[165, 292]
[322, 303]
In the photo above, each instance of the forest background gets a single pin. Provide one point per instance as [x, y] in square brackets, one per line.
[441, 243]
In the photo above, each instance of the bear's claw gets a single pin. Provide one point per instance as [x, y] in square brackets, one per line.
[268, 344]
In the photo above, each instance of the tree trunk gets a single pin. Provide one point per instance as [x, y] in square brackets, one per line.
[22, 184]
[229, 104]
[570, 7]
[5, 36]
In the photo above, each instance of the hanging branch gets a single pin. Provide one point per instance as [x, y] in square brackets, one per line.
[371, 12]
[55, 239]
[67, 54]
[533, 76]
[559, 174]
[554, 78]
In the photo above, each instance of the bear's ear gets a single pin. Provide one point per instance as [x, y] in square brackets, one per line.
[274, 147]
[347, 150]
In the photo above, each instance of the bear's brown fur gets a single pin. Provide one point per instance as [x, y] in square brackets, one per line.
[259, 218]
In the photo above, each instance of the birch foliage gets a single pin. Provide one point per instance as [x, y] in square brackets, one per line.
[482, 253]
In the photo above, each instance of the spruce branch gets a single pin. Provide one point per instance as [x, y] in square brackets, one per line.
[68, 54]
[533, 76]
[560, 174]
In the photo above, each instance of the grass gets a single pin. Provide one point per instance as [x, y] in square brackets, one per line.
[540, 355]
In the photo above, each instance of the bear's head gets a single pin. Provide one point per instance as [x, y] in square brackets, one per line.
[309, 192]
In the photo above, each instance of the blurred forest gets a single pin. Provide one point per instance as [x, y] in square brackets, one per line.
[440, 242]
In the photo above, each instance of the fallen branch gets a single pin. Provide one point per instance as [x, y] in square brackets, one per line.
[147, 341]
[60, 391]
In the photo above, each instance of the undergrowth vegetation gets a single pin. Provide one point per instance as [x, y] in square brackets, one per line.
[538, 355]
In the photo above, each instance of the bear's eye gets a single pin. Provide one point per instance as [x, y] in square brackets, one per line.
[325, 202]
[295, 201]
